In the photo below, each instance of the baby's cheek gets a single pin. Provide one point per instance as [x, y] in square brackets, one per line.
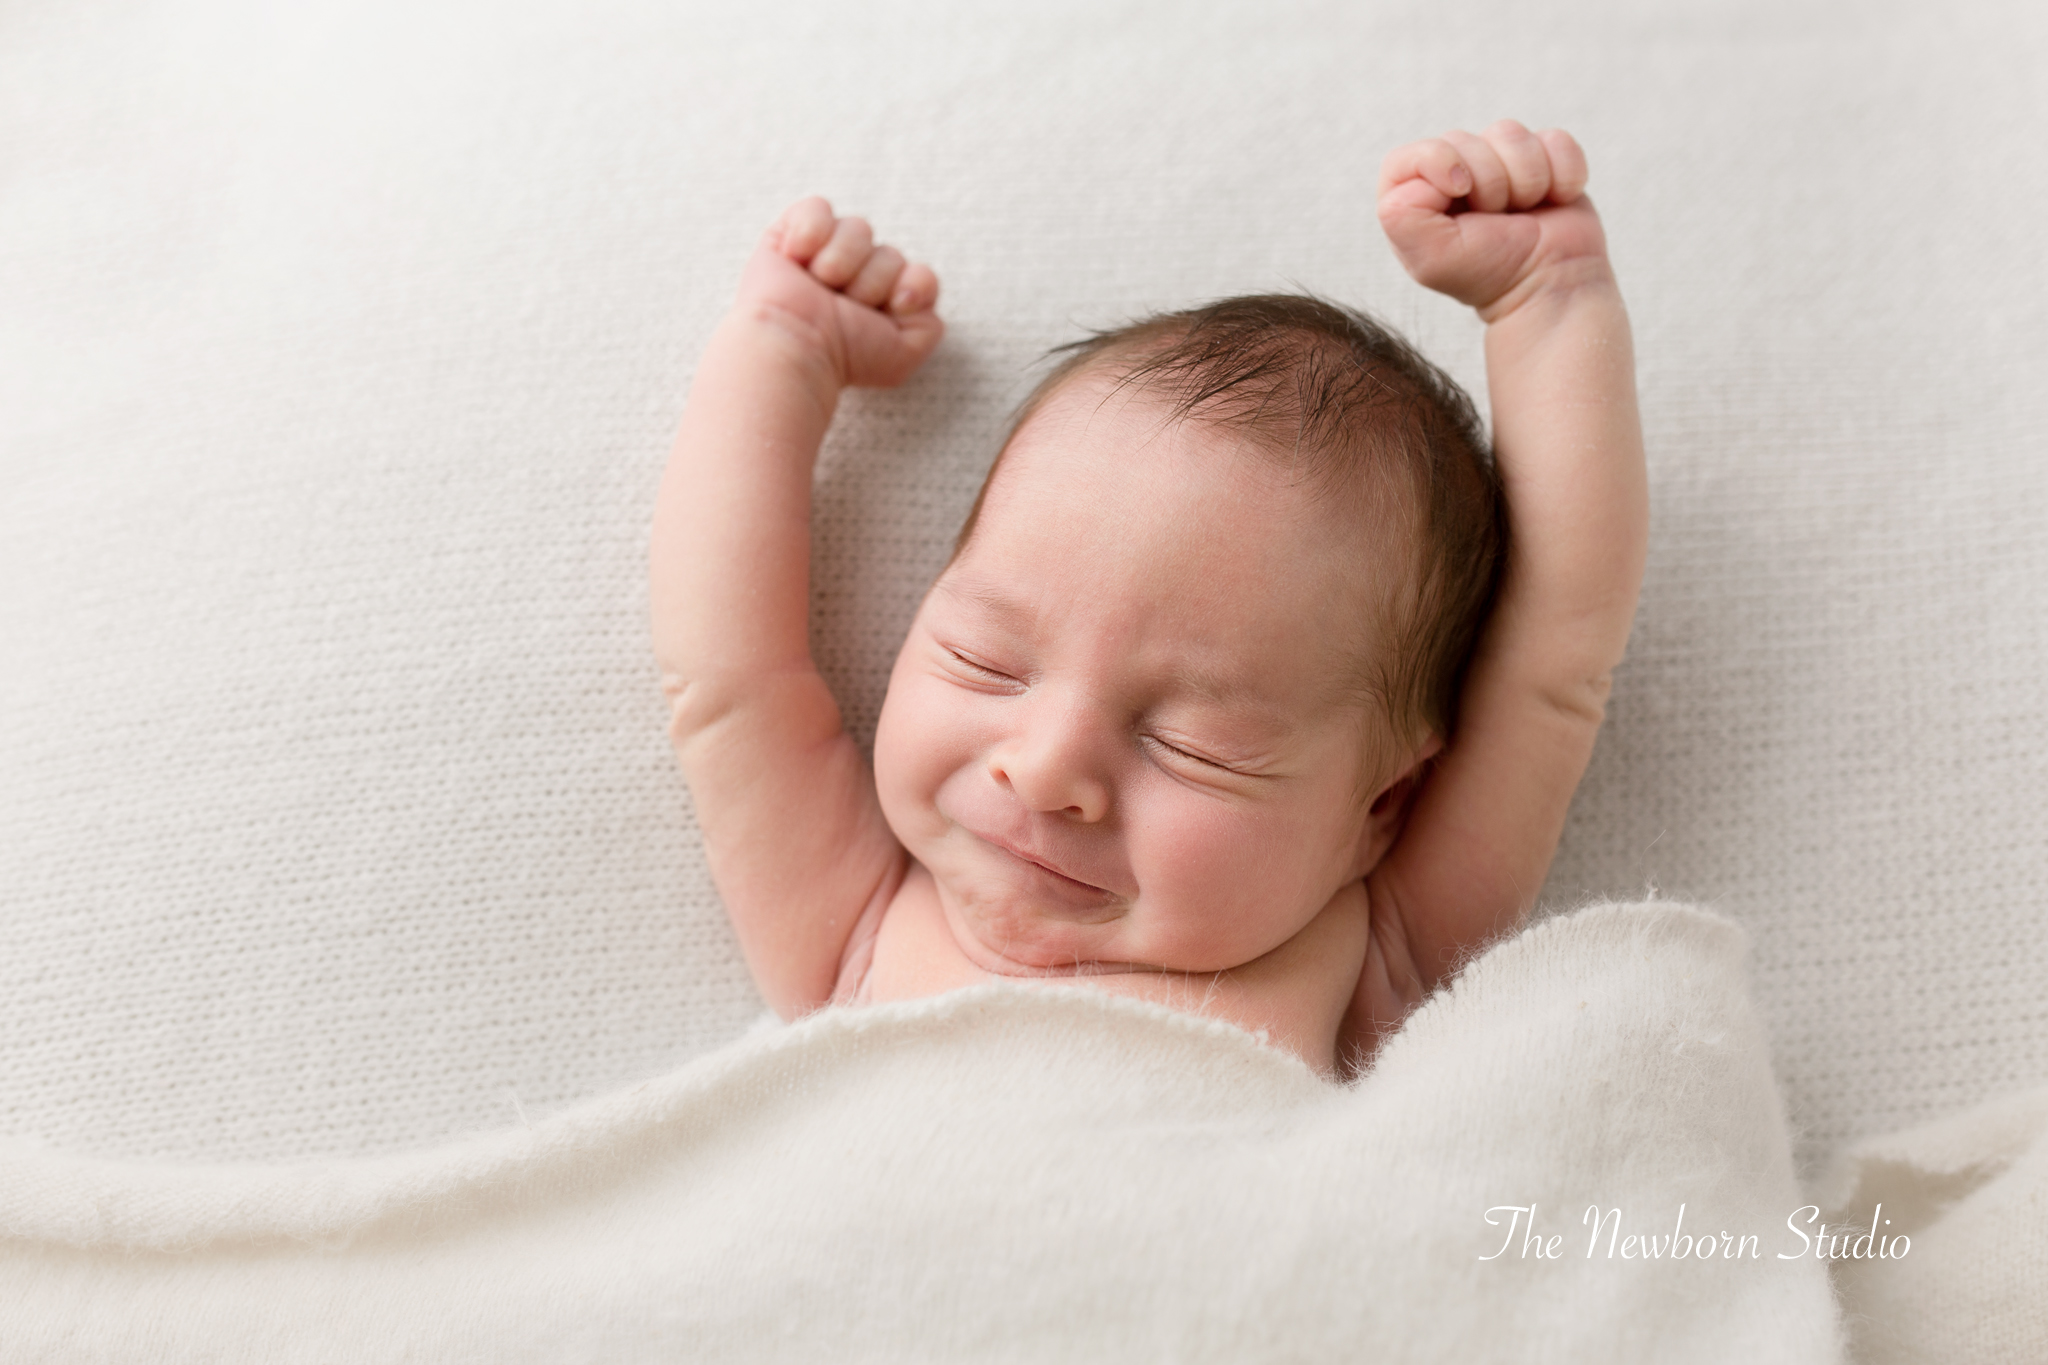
[1224, 865]
[912, 756]
[895, 762]
[1265, 872]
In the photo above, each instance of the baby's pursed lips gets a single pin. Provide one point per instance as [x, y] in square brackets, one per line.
[1016, 850]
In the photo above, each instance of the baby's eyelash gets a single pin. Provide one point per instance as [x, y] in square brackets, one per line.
[1190, 755]
[980, 668]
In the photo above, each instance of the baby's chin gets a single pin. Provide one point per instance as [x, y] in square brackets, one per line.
[1008, 934]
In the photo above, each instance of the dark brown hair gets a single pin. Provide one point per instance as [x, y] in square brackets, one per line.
[1357, 413]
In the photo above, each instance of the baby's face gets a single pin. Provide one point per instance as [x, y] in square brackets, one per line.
[1119, 731]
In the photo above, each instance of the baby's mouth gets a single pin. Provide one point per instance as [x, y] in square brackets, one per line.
[1070, 889]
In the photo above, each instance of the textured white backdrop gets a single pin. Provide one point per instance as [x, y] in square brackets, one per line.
[340, 344]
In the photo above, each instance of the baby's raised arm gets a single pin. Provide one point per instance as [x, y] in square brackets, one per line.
[792, 830]
[1500, 221]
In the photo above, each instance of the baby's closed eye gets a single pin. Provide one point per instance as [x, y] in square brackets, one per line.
[1186, 751]
[1209, 760]
[978, 670]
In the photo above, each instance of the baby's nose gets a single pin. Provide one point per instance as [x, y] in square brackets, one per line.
[1054, 764]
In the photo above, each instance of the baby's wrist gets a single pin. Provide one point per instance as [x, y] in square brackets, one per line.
[1552, 287]
[776, 346]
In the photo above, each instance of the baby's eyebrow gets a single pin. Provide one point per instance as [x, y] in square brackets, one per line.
[1213, 686]
[986, 596]
[1234, 697]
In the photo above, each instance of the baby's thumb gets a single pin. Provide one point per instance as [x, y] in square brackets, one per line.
[1413, 207]
[1421, 233]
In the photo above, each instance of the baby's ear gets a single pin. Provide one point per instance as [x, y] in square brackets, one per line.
[1389, 807]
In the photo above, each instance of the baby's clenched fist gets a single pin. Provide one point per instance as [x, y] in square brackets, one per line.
[865, 310]
[1492, 219]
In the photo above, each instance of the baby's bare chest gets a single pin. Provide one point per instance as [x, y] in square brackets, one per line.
[1296, 996]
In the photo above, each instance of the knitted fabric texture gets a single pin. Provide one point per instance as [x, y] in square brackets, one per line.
[340, 347]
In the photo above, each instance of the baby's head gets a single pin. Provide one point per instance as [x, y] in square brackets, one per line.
[1203, 627]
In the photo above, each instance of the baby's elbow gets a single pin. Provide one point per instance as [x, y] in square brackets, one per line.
[695, 706]
[1580, 703]
[788, 712]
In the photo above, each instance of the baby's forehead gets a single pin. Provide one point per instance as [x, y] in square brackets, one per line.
[1107, 519]
[1097, 430]
[1100, 440]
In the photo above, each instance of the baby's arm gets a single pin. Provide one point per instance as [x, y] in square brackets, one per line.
[1500, 222]
[792, 830]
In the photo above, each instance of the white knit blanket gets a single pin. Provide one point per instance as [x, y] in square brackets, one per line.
[1015, 1174]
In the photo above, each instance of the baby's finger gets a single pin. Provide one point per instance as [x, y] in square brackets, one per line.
[840, 259]
[917, 291]
[1490, 184]
[1567, 165]
[1527, 163]
[1433, 161]
[920, 334]
[877, 278]
[803, 228]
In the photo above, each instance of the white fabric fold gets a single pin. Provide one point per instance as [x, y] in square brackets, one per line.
[1008, 1173]
[1955, 1266]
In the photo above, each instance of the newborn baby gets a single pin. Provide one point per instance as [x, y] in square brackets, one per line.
[1177, 719]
